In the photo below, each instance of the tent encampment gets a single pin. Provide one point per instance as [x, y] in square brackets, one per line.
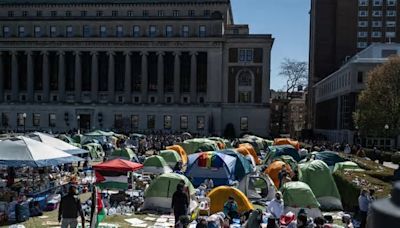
[57, 143]
[25, 152]
[158, 195]
[242, 167]
[277, 151]
[217, 166]
[220, 195]
[258, 187]
[298, 195]
[275, 168]
[113, 174]
[329, 157]
[318, 176]
[156, 165]
[125, 153]
[180, 151]
[347, 165]
[171, 157]
[95, 150]
[250, 150]
[286, 141]
[194, 145]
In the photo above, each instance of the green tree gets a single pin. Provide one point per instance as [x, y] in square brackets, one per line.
[379, 103]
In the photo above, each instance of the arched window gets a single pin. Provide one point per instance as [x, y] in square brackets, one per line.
[244, 79]
[244, 89]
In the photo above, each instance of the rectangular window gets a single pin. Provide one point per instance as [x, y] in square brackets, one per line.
[52, 120]
[200, 122]
[69, 31]
[118, 121]
[202, 31]
[130, 13]
[245, 55]
[103, 31]
[99, 13]
[38, 32]
[114, 13]
[136, 31]
[206, 13]
[363, 24]
[120, 31]
[83, 13]
[86, 31]
[168, 31]
[24, 13]
[145, 13]
[244, 97]
[362, 44]
[21, 31]
[184, 122]
[391, 13]
[36, 119]
[244, 123]
[391, 2]
[175, 13]
[377, 3]
[10, 13]
[376, 13]
[362, 34]
[53, 31]
[6, 31]
[53, 13]
[167, 122]
[160, 13]
[151, 121]
[185, 31]
[376, 34]
[242, 55]
[4, 119]
[191, 13]
[362, 13]
[390, 34]
[134, 121]
[391, 24]
[363, 2]
[360, 77]
[39, 13]
[68, 13]
[152, 31]
[249, 55]
[21, 119]
[376, 24]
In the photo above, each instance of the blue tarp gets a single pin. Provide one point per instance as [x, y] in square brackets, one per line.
[329, 157]
[199, 171]
[242, 167]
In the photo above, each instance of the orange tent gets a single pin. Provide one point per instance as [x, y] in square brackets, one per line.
[287, 141]
[218, 197]
[273, 171]
[220, 145]
[180, 151]
[251, 151]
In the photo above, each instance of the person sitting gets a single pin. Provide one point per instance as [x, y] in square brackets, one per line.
[319, 222]
[231, 209]
[346, 219]
[255, 219]
[35, 210]
[202, 223]
[288, 220]
[303, 221]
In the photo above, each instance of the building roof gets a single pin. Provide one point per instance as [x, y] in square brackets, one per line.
[34, 2]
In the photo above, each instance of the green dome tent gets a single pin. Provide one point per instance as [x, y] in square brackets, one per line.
[289, 160]
[191, 146]
[171, 157]
[95, 150]
[318, 176]
[156, 165]
[298, 195]
[125, 153]
[158, 195]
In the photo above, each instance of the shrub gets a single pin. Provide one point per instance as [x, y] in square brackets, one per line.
[387, 156]
[396, 158]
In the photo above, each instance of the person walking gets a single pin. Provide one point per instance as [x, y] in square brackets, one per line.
[180, 203]
[69, 210]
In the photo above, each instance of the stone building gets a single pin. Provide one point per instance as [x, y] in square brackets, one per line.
[131, 65]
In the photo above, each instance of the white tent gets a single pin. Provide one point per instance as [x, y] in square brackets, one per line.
[22, 151]
[57, 143]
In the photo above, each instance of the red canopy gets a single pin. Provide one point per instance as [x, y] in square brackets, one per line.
[118, 165]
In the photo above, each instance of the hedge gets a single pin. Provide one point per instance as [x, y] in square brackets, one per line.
[350, 184]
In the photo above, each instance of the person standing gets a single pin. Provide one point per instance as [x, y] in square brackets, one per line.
[69, 210]
[180, 203]
[275, 207]
[363, 204]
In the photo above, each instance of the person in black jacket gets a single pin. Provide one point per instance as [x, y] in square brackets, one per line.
[69, 210]
[180, 203]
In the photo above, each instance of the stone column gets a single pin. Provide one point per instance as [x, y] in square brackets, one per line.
[128, 77]
[14, 76]
[111, 77]
[29, 76]
[78, 76]
[46, 76]
[1, 78]
[177, 75]
[144, 78]
[94, 77]
[193, 77]
[61, 76]
[160, 77]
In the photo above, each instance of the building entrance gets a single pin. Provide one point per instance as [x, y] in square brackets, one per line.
[84, 123]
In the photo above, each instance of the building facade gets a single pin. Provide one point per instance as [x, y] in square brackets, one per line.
[131, 65]
[341, 28]
[336, 96]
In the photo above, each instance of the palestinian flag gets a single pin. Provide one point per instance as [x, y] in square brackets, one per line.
[98, 213]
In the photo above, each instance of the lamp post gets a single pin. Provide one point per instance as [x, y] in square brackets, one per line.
[78, 118]
[386, 132]
[357, 134]
[24, 117]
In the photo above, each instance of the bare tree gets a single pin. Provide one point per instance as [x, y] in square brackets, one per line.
[296, 74]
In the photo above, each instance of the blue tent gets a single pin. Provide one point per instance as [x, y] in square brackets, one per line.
[277, 151]
[242, 167]
[217, 166]
[329, 157]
